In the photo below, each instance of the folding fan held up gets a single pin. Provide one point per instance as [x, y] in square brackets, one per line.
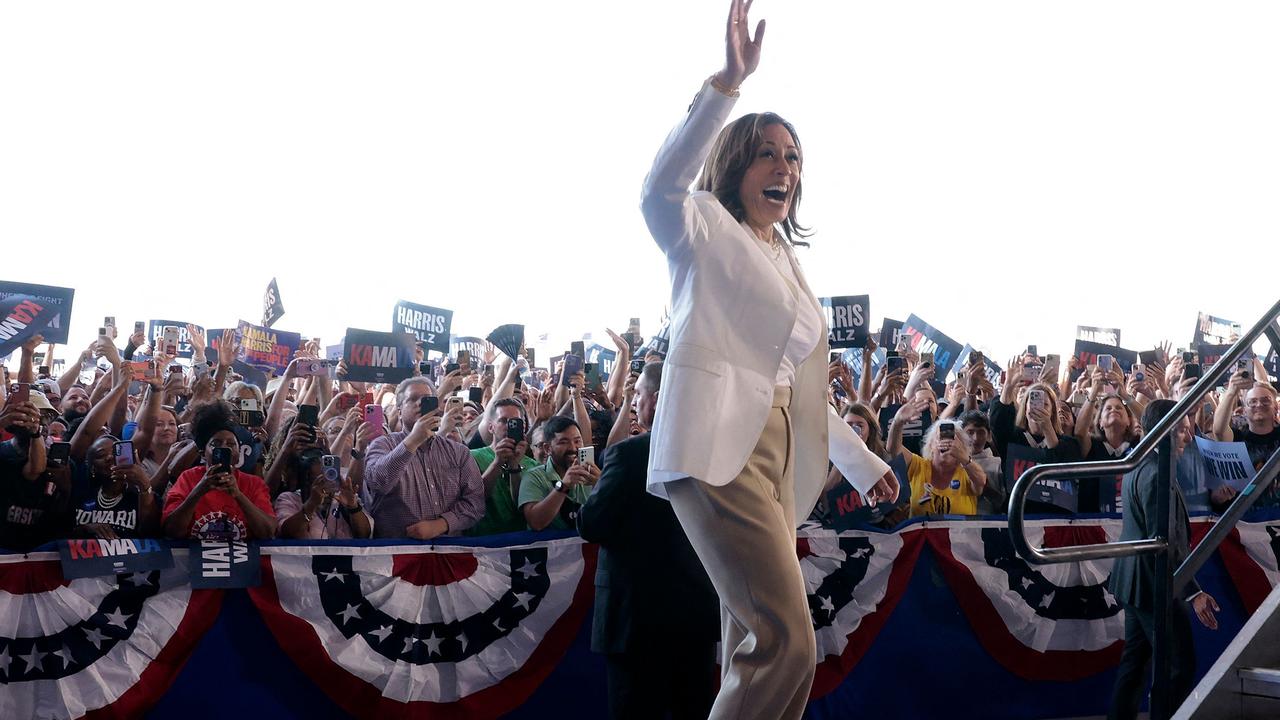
[508, 338]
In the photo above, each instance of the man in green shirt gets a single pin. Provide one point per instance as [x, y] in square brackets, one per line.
[551, 494]
[502, 478]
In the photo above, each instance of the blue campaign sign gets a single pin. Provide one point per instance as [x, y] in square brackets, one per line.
[923, 337]
[848, 318]
[603, 357]
[22, 317]
[94, 557]
[59, 298]
[225, 565]
[155, 333]
[378, 357]
[430, 325]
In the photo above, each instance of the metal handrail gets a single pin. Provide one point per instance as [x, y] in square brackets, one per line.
[1190, 401]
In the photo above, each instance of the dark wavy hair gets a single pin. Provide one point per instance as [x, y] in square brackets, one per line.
[732, 154]
[210, 418]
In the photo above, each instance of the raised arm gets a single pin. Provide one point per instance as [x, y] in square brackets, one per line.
[664, 201]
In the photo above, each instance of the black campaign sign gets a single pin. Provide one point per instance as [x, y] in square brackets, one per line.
[847, 318]
[430, 325]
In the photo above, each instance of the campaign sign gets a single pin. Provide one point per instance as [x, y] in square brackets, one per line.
[924, 338]
[604, 358]
[853, 360]
[1058, 493]
[1212, 330]
[57, 298]
[429, 325]
[990, 368]
[1227, 463]
[1272, 363]
[155, 331]
[224, 565]
[474, 346]
[379, 357]
[266, 348]
[94, 557]
[847, 319]
[847, 510]
[1102, 336]
[22, 317]
[272, 307]
[1210, 355]
[889, 332]
[1086, 353]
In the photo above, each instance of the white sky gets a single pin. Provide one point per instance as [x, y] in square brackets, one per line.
[1005, 170]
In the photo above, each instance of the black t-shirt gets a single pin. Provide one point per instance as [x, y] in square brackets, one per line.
[90, 507]
[32, 512]
[1100, 494]
[1260, 447]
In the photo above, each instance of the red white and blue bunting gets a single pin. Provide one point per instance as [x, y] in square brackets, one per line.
[402, 631]
[103, 647]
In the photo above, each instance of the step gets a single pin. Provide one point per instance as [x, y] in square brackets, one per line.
[1264, 682]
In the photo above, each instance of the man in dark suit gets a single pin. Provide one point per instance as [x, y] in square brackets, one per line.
[657, 616]
[1133, 582]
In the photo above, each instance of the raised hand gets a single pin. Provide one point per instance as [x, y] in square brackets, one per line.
[741, 53]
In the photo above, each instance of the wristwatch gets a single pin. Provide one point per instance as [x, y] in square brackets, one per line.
[561, 487]
[357, 454]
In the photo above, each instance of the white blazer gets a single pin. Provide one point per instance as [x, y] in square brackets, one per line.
[732, 314]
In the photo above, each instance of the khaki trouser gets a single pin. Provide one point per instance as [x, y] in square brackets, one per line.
[744, 533]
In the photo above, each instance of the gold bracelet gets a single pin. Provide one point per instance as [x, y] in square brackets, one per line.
[727, 92]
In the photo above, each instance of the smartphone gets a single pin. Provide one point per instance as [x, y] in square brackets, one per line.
[1244, 368]
[926, 359]
[578, 348]
[250, 413]
[59, 453]
[169, 340]
[373, 416]
[108, 325]
[142, 369]
[123, 452]
[1188, 357]
[637, 366]
[464, 359]
[1032, 351]
[894, 362]
[475, 395]
[573, 365]
[428, 404]
[947, 431]
[317, 368]
[529, 355]
[1036, 400]
[976, 358]
[222, 459]
[308, 415]
[1139, 372]
[592, 372]
[1191, 370]
[452, 367]
[586, 455]
[515, 429]
[630, 339]
[1106, 363]
[1031, 372]
[332, 468]
[1053, 360]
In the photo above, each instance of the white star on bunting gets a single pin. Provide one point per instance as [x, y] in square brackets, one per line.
[529, 569]
[522, 599]
[118, 619]
[1046, 601]
[382, 633]
[433, 643]
[350, 612]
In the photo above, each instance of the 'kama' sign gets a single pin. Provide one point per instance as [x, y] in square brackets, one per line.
[94, 556]
[379, 357]
[923, 338]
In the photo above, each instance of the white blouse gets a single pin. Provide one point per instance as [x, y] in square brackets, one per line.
[807, 331]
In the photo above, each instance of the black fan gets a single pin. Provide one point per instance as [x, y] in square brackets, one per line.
[508, 338]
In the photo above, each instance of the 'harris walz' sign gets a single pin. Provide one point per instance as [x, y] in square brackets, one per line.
[224, 565]
[847, 318]
[57, 298]
[428, 324]
[380, 357]
[94, 557]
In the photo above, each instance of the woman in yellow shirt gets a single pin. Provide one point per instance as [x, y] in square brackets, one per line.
[946, 481]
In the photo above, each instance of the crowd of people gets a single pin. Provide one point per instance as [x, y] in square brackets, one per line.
[191, 450]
